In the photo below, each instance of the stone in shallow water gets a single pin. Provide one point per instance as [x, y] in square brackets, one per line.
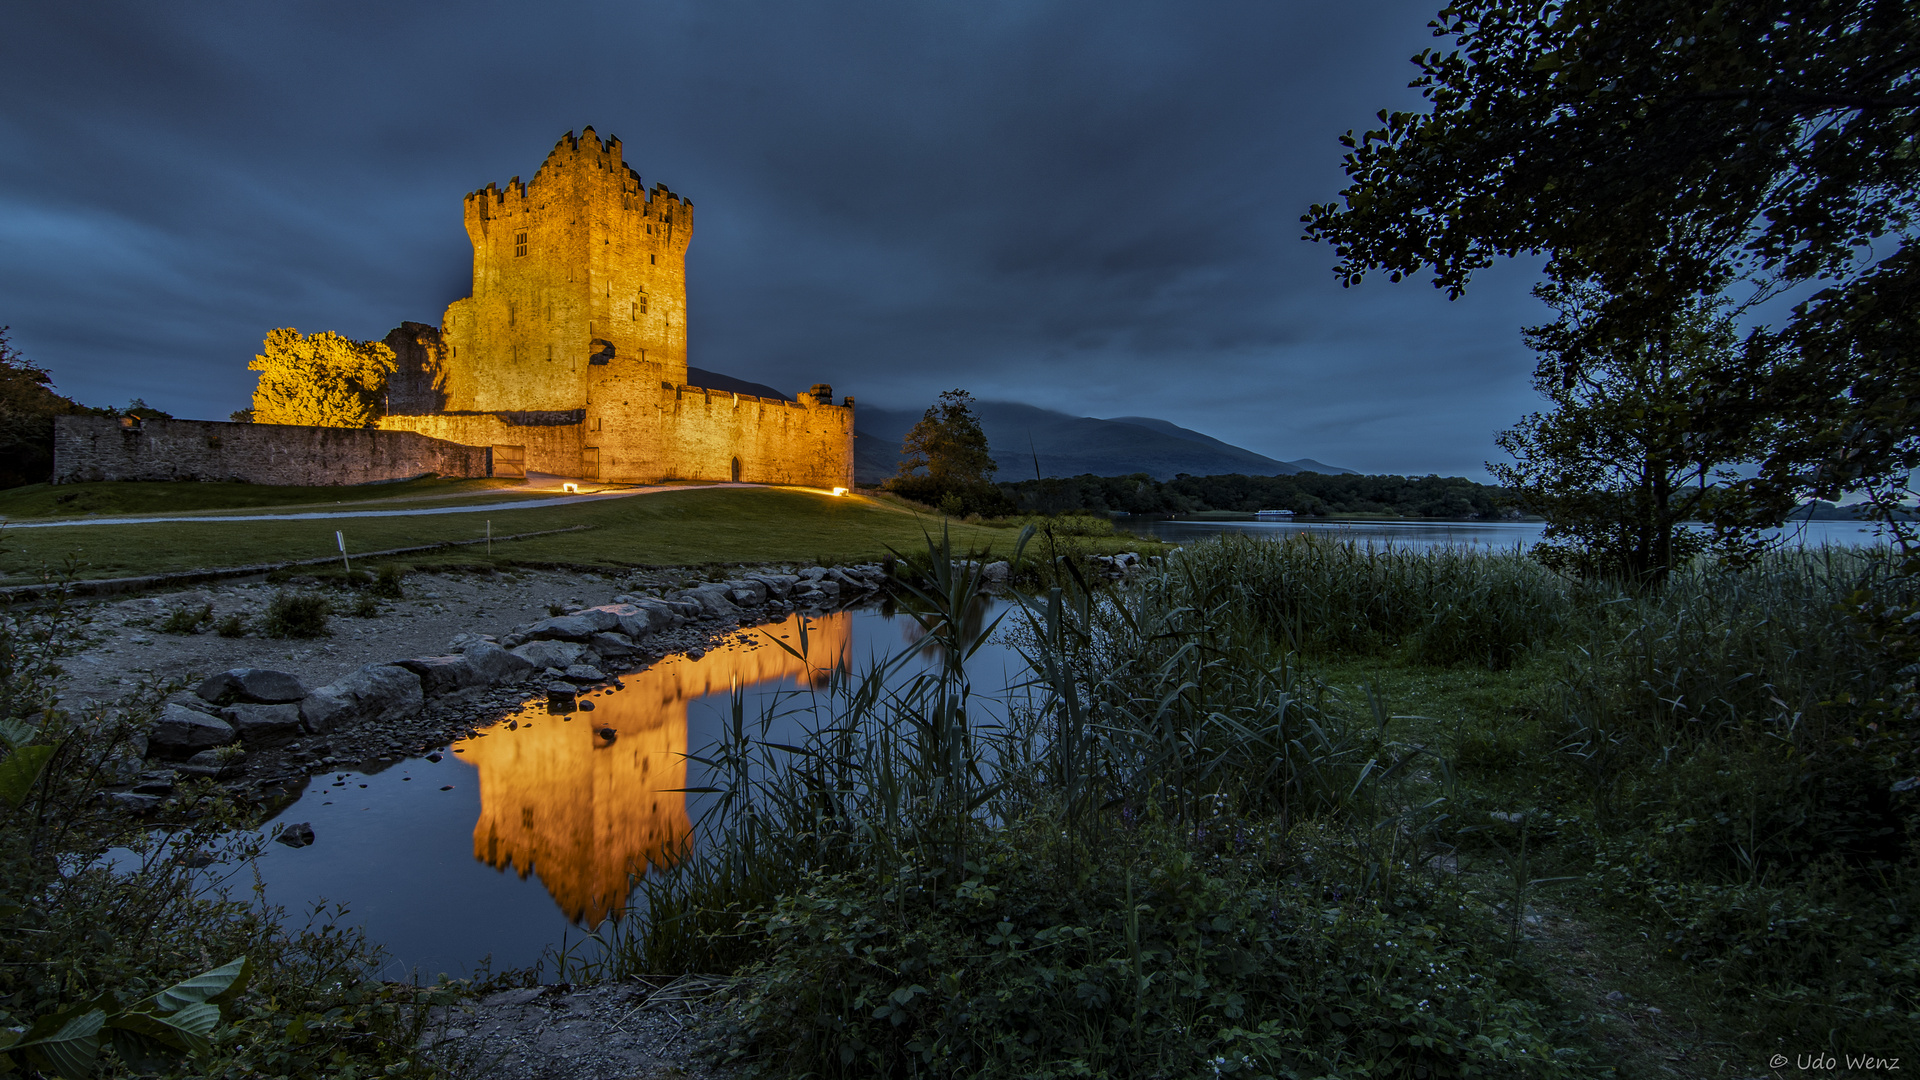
[297, 835]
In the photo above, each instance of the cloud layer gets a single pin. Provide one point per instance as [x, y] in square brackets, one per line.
[1092, 207]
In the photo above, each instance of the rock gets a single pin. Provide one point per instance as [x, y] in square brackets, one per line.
[157, 782]
[996, 573]
[777, 585]
[814, 573]
[565, 628]
[612, 646]
[181, 732]
[262, 725]
[136, 803]
[756, 591]
[444, 674]
[513, 999]
[585, 673]
[629, 619]
[496, 665]
[375, 692]
[551, 654]
[846, 580]
[713, 601]
[258, 685]
[193, 701]
[660, 614]
[297, 835]
[213, 765]
[828, 589]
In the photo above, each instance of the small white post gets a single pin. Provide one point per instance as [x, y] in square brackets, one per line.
[341, 537]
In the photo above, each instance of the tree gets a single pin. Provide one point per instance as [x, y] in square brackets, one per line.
[952, 449]
[1665, 150]
[1618, 466]
[28, 405]
[325, 380]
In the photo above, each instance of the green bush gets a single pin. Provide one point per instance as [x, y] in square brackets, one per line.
[187, 620]
[365, 606]
[231, 625]
[387, 584]
[297, 615]
[1151, 960]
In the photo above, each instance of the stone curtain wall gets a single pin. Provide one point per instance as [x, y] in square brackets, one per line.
[550, 448]
[777, 442]
[94, 448]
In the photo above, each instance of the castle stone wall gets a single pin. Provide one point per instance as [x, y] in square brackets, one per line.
[94, 448]
[547, 447]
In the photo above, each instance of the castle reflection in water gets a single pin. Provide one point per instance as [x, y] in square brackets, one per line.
[588, 801]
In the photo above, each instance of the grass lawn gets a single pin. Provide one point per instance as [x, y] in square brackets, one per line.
[715, 525]
[121, 498]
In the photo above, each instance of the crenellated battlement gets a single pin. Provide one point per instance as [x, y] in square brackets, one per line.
[579, 307]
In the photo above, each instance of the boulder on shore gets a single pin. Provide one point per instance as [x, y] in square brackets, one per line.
[260, 725]
[257, 685]
[374, 692]
[183, 732]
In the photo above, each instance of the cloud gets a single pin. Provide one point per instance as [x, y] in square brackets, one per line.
[1089, 206]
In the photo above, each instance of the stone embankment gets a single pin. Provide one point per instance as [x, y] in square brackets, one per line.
[262, 728]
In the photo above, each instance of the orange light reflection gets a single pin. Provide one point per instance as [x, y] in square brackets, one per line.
[587, 801]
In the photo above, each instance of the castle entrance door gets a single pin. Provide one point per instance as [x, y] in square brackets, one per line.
[509, 461]
[590, 463]
[736, 470]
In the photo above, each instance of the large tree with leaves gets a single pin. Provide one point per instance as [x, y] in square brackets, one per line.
[324, 380]
[945, 460]
[28, 405]
[1618, 465]
[1665, 151]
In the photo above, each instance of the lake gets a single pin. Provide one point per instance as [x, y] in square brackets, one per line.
[1508, 535]
[531, 831]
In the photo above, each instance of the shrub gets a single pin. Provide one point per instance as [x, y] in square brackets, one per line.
[365, 606]
[387, 584]
[297, 615]
[231, 625]
[187, 620]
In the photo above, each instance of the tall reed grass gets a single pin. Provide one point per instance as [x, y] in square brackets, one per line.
[1109, 872]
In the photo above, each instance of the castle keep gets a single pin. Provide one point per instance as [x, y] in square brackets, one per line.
[570, 357]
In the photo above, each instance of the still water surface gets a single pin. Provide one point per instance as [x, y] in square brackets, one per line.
[1429, 534]
[532, 829]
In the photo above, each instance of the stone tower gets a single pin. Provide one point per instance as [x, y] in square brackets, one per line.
[579, 268]
[570, 357]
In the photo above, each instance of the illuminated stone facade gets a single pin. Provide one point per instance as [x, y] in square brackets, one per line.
[570, 357]
[591, 801]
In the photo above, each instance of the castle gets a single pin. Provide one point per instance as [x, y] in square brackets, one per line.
[570, 357]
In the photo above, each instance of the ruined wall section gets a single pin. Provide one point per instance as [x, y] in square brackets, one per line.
[580, 266]
[89, 449]
[548, 443]
[643, 429]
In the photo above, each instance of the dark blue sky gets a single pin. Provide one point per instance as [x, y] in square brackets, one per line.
[1092, 207]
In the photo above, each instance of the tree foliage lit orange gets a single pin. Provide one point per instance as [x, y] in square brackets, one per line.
[324, 380]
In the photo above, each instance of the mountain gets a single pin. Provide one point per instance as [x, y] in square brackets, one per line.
[1165, 427]
[1066, 445]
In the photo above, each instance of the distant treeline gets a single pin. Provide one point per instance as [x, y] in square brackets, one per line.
[1303, 493]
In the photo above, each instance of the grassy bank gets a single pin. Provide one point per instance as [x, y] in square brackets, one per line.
[42, 501]
[728, 525]
[1305, 809]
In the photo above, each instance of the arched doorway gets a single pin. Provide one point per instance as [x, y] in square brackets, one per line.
[736, 470]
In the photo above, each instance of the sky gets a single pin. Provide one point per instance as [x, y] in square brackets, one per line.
[1092, 207]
